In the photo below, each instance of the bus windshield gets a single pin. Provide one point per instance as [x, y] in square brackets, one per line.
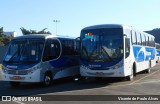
[102, 45]
[24, 51]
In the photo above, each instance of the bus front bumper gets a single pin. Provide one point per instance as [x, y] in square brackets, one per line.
[34, 77]
[86, 72]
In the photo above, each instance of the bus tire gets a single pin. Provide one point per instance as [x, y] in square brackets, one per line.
[133, 72]
[149, 69]
[47, 79]
[15, 84]
[134, 69]
[157, 60]
[130, 77]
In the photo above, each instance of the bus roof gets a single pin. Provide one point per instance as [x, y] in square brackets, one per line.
[114, 26]
[104, 26]
[43, 36]
[34, 36]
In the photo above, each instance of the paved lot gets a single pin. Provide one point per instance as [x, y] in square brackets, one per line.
[143, 84]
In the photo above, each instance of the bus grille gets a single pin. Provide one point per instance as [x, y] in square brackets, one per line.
[99, 68]
[18, 72]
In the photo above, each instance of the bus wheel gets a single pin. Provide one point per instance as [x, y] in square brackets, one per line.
[47, 79]
[15, 84]
[130, 77]
[157, 60]
[149, 69]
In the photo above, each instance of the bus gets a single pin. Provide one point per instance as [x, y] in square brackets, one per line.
[157, 52]
[40, 58]
[115, 50]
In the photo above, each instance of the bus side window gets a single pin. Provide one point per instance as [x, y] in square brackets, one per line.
[51, 50]
[139, 40]
[134, 38]
[148, 43]
[143, 40]
[127, 47]
[77, 48]
[131, 36]
[68, 47]
[152, 42]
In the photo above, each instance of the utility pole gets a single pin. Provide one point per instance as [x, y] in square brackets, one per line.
[56, 21]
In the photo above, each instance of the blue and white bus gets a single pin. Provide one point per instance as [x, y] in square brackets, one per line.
[40, 58]
[113, 50]
[157, 52]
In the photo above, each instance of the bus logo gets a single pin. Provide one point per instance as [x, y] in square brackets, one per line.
[6, 98]
[94, 65]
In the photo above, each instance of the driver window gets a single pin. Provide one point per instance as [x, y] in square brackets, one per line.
[127, 47]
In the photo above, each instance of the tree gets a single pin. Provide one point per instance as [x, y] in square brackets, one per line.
[1, 30]
[1, 36]
[4, 39]
[26, 32]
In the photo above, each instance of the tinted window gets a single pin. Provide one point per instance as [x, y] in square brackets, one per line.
[68, 47]
[143, 40]
[147, 40]
[25, 51]
[152, 42]
[134, 38]
[77, 47]
[52, 50]
[102, 45]
[127, 47]
[138, 39]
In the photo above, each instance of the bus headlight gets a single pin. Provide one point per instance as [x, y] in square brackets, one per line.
[33, 69]
[0, 66]
[4, 69]
[117, 66]
[84, 67]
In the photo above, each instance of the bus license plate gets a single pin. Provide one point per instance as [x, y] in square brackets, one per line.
[17, 78]
[99, 73]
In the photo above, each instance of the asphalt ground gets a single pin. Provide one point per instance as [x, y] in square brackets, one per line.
[143, 84]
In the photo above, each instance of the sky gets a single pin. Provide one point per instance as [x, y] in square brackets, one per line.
[74, 15]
